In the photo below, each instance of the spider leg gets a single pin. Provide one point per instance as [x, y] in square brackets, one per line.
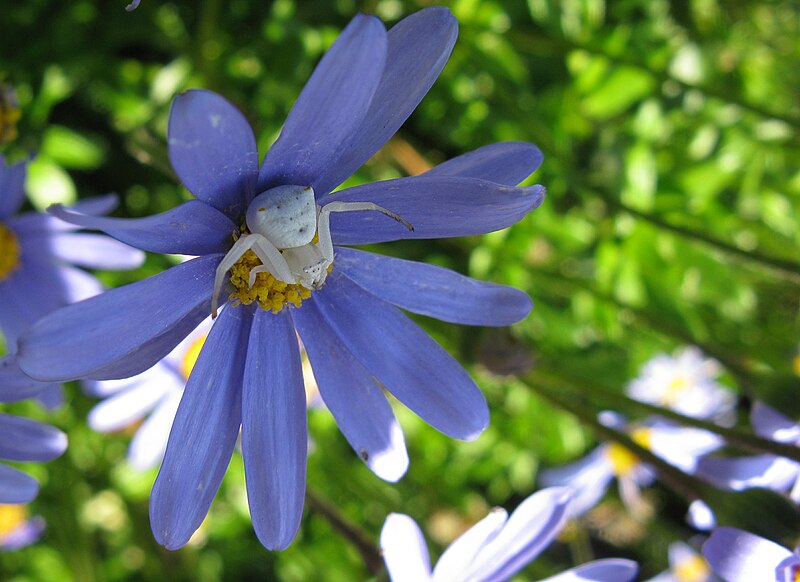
[325, 244]
[273, 262]
[357, 206]
[239, 248]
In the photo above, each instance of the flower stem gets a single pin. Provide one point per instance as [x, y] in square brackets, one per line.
[360, 539]
[734, 437]
[687, 486]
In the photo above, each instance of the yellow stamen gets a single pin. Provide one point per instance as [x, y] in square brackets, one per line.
[622, 460]
[11, 518]
[694, 569]
[190, 357]
[9, 252]
[796, 364]
[674, 390]
[271, 294]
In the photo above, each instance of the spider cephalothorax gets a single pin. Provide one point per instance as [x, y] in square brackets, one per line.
[282, 224]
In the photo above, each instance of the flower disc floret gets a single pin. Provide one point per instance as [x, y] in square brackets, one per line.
[9, 252]
[270, 293]
[622, 459]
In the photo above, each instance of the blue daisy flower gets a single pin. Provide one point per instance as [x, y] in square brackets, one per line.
[267, 241]
[27, 441]
[17, 528]
[39, 256]
[495, 548]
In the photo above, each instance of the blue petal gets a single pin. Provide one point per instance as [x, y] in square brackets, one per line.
[607, 570]
[28, 440]
[436, 207]
[739, 556]
[528, 531]
[78, 284]
[203, 434]
[330, 108]
[16, 486]
[12, 191]
[434, 291]
[739, 473]
[51, 396]
[404, 358]
[122, 332]
[90, 250]
[213, 151]
[506, 163]
[36, 222]
[31, 292]
[274, 431]
[770, 424]
[14, 384]
[588, 477]
[418, 48]
[353, 396]
[23, 535]
[193, 228]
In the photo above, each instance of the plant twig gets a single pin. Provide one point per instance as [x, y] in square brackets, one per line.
[370, 553]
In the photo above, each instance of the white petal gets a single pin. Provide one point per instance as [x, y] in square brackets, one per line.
[457, 559]
[404, 550]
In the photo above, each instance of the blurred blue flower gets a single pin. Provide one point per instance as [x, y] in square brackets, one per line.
[685, 383]
[38, 258]
[17, 529]
[25, 440]
[739, 556]
[590, 477]
[685, 565]
[770, 471]
[495, 548]
[248, 373]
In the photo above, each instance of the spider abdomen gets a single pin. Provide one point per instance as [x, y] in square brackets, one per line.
[285, 215]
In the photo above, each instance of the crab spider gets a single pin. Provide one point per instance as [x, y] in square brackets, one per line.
[282, 222]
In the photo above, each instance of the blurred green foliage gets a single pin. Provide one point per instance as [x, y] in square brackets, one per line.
[670, 134]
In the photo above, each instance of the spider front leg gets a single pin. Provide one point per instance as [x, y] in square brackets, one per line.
[239, 248]
[272, 261]
[325, 243]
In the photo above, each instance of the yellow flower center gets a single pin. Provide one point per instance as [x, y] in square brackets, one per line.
[271, 294]
[796, 364]
[622, 460]
[9, 252]
[11, 517]
[674, 389]
[694, 569]
[190, 356]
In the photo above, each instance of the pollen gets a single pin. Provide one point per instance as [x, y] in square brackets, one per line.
[9, 252]
[11, 518]
[190, 356]
[270, 293]
[676, 387]
[622, 459]
[692, 569]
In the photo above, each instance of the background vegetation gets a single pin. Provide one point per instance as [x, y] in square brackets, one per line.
[671, 143]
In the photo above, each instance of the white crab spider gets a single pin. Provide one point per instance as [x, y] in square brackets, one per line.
[282, 223]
